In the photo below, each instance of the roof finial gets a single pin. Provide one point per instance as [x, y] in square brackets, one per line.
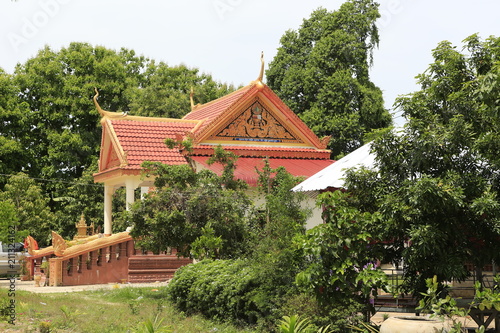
[107, 113]
[191, 98]
[101, 111]
[261, 74]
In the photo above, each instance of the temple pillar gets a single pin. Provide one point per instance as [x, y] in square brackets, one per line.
[108, 210]
[144, 191]
[130, 186]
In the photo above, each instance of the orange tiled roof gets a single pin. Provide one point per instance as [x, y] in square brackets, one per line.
[210, 111]
[139, 139]
[145, 140]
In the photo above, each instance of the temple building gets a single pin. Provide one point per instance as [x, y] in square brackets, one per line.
[252, 122]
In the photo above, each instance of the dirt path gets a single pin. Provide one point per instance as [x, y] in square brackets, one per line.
[30, 286]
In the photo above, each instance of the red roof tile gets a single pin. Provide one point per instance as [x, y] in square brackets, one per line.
[212, 110]
[245, 167]
[144, 140]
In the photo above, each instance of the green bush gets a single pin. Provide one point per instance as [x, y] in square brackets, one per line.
[228, 290]
[338, 315]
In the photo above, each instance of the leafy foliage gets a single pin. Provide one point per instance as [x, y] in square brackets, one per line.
[31, 208]
[438, 303]
[487, 298]
[281, 216]
[183, 204]
[221, 289]
[12, 155]
[293, 324]
[321, 71]
[8, 219]
[255, 293]
[207, 245]
[166, 90]
[436, 185]
[341, 255]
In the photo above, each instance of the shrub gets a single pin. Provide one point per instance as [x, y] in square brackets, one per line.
[221, 289]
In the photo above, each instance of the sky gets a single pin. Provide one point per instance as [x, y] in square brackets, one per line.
[226, 37]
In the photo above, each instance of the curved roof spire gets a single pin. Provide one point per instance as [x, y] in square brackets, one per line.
[98, 107]
[261, 74]
[191, 98]
[106, 113]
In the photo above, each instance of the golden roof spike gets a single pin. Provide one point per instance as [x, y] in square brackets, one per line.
[261, 74]
[191, 98]
[106, 113]
[98, 107]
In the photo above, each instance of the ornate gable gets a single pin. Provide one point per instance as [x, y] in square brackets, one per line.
[256, 123]
[258, 117]
[111, 155]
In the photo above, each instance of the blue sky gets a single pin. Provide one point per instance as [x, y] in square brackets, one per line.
[225, 37]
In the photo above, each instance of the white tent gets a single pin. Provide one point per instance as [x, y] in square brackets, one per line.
[333, 175]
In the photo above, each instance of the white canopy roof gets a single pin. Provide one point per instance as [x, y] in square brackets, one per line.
[333, 175]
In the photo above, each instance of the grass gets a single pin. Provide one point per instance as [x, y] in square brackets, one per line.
[117, 310]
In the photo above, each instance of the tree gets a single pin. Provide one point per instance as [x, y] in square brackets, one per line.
[8, 223]
[167, 89]
[187, 205]
[341, 256]
[321, 72]
[12, 154]
[81, 196]
[31, 208]
[61, 127]
[282, 215]
[437, 182]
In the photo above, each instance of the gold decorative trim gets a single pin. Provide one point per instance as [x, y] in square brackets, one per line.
[191, 98]
[256, 124]
[59, 244]
[31, 245]
[324, 141]
[103, 113]
[96, 244]
[114, 144]
[261, 74]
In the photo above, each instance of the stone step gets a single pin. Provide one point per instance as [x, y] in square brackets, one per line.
[154, 268]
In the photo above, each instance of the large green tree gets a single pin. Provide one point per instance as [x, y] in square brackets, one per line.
[60, 129]
[31, 215]
[13, 156]
[437, 181]
[321, 71]
[167, 89]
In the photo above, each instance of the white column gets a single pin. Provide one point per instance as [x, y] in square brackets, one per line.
[130, 186]
[108, 211]
[144, 191]
[129, 199]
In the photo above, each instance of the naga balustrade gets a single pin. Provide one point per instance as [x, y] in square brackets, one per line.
[103, 260]
[98, 260]
[33, 262]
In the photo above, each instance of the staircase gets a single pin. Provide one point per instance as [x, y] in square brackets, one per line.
[152, 268]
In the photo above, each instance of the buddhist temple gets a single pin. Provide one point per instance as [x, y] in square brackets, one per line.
[252, 122]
